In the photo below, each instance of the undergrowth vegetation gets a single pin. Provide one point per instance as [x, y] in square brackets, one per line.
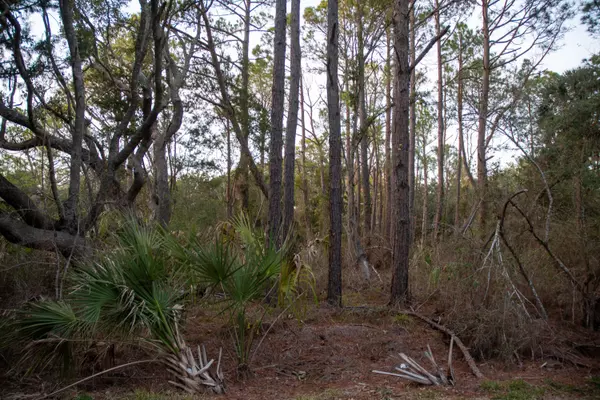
[137, 293]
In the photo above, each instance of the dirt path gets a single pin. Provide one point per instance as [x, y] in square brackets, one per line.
[331, 354]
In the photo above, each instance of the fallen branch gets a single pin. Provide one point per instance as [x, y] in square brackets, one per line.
[98, 374]
[454, 338]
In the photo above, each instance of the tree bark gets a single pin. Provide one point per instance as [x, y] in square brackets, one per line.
[362, 113]
[244, 162]
[375, 183]
[481, 137]
[276, 144]
[388, 133]
[22, 234]
[413, 124]
[425, 219]
[71, 205]
[350, 170]
[161, 184]
[401, 146]
[24, 205]
[229, 199]
[358, 194]
[459, 111]
[175, 81]
[439, 202]
[292, 122]
[334, 286]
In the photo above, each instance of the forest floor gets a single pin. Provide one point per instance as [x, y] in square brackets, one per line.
[327, 354]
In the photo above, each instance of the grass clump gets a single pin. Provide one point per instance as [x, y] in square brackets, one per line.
[512, 390]
[402, 319]
[490, 386]
[328, 394]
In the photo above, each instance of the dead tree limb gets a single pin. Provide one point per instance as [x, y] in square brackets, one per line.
[558, 262]
[454, 338]
[538, 301]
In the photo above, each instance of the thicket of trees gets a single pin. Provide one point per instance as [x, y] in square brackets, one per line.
[175, 111]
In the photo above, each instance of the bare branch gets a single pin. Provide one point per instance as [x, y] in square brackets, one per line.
[428, 47]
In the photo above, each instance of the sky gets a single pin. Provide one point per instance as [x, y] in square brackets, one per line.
[574, 47]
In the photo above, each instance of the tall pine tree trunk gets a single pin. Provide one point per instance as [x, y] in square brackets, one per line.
[277, 123]
[292, 122]
[334, 285]
[362, 113]
[242, 172]
[459, 111]
[375, 183]
[439, 202]
[425, 222]
[413, 123]
[350, 173]
[388, 135]
[400, 156]
[481, 139]
[229, 199]
[358, 195]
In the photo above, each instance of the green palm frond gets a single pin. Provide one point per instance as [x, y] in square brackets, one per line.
[48, 330]
[248, 283]
[128, 292]
[251, 240]
[214, 264]
[49, 318]
[130, 289]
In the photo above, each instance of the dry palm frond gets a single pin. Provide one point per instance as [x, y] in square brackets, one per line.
[414, 372]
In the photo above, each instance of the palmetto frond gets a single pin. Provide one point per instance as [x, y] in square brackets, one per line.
[49, 317]
[129, 289]
[128, 292]
[50, 328]
[240, 264]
